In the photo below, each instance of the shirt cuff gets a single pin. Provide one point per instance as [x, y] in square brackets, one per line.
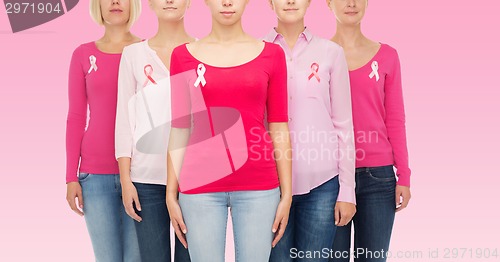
[347, 194]
[403, 176]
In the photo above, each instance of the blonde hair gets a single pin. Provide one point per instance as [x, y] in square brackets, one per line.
[96, 14]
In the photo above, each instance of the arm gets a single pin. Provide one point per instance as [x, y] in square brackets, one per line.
[341, 108]
[277, 117]
[124, 136]
[75, 128]
[283, 155]
[178, 140]
[340, 102]
[396, 132]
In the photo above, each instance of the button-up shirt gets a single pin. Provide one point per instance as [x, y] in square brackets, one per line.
[320, 114]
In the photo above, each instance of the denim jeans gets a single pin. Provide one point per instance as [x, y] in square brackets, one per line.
[311, 226]
[153, 231]
[252, 213]
[376, 207]
[111, 230]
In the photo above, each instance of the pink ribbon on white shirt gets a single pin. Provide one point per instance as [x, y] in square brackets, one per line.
[93, 65]
[148, 71]
[201, 78]
[374, 71]
[314, 68]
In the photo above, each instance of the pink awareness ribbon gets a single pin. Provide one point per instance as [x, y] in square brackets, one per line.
[201, 78]
[374, 72]
[314, 68]
[148, 71]
[93, 65]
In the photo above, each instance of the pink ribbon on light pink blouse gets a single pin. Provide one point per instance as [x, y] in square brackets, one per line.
[314, 68]
[148, 71]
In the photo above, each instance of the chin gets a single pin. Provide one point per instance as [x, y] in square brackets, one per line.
[227, 22]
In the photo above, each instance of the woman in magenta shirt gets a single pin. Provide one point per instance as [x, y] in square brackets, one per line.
[90, 150]
[379, 126]
[319, 102]
[220, 154]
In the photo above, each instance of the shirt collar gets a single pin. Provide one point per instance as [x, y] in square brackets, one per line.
[273, 35]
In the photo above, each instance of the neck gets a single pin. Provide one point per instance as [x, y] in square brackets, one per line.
[116, 34]
[169, 32]
[349, 36]
[290, 31]
[226, 33]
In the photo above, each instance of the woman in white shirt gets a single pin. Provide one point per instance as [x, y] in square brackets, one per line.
[142, 129]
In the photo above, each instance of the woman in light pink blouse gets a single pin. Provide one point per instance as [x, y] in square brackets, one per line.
[91, 170]
[320, 123]
[379, 126]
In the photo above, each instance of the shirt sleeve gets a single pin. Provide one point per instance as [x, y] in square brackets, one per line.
[77, 115]
[395, 121]
[180, 93]
[125, 120]
[277, 103]
[340, 102]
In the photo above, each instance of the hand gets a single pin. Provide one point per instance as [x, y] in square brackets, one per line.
[281, 219]
[130, 197]
[174, 210]
[74, 190]
[344, 212]
[403, 196]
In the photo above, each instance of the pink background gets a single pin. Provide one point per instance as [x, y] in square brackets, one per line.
[450, 61]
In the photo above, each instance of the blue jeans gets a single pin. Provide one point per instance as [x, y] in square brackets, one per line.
[154, 230]
[111, 230]
[311, 225]
[376, 207]
[252, 213]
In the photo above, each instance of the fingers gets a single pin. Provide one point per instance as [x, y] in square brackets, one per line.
[398, 198]
[180, 231]
[337, 215]
[137, 203]
[404, 203]
[129, 208]
[72, 205]
[79, 195]
[402, 199]
[276, 224]
[279, 230]
[344, 219]
[75, 191]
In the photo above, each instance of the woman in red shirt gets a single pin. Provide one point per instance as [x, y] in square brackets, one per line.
[222, 88]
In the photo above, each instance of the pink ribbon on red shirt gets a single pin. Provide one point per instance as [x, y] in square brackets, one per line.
[148, 71]
[201, 78]
[314, 68]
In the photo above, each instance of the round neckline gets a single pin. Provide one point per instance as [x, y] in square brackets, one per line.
[229, 67]
[369, 61]
[102, 52]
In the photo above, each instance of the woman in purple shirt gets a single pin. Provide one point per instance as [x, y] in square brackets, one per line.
[321, 134]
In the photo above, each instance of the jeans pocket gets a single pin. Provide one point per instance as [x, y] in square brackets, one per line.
[383, 173]
[83, 176]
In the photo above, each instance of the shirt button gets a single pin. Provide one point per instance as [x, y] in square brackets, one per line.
[291, 59]
[289, 119]
[291, 77]
[290, 97]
